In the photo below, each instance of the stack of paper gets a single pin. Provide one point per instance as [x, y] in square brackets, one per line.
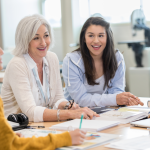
[92, 140]
[139, 143]
[122, 116]
[88, 125]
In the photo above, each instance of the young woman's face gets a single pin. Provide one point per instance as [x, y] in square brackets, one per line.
[1, 53]
[96, 40]
[40, 43]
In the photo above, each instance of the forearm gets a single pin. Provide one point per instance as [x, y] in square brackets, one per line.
[101, 100]
[51, 141]
[8, 140]
[51, 115]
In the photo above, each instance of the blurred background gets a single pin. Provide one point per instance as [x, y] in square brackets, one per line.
[130, 29]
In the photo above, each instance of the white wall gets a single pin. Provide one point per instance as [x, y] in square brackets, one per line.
[12, 11]
[58, 43]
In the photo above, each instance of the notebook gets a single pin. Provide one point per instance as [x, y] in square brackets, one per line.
[142, 123]
[87, 125]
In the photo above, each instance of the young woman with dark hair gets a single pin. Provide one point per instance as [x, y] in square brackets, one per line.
[94, 74]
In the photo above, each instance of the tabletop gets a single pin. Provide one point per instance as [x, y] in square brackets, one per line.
[126, 131]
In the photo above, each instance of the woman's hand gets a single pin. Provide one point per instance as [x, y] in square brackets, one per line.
[74, 106]
[63, 104]
[87, 113]
[77, 136]
[126, 98]
[19, 134]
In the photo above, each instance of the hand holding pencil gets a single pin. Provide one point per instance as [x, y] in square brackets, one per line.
[78, 135]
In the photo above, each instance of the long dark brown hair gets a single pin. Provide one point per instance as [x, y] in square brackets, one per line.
[108, 56]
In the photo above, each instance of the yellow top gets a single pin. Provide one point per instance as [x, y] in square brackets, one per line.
[10, 141]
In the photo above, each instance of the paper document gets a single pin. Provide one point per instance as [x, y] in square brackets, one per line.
[88, 125]
[92, 139]
[122, 116]
[36, 132]
[139, 143]
[142, 109]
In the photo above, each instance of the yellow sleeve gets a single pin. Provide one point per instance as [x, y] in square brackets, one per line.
[10, 141]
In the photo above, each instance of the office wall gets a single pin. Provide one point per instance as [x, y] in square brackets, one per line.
[58, 43]
[123, 32]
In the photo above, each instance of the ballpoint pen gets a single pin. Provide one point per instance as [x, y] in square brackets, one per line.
[81, 121]
[37, 126]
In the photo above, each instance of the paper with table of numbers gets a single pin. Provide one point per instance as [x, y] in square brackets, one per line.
[92, 139]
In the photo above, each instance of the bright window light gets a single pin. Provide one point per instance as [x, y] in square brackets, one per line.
[52, 12]
[114, 11]
[84, 10]
[146, 9]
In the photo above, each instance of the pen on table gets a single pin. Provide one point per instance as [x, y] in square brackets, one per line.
[28, 127]
[36, 126]
[81, 121]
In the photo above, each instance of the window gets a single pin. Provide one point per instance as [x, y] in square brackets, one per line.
[146, 9]
[114, 11]
[52, 12]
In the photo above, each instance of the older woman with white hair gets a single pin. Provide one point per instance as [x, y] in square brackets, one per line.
[32, 83]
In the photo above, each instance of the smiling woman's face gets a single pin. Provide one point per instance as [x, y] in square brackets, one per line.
[39, 45]
[1, 53]
[96, 40]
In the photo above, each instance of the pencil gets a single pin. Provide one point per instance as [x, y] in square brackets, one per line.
[81, 121]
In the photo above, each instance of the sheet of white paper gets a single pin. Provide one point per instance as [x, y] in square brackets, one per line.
[36, 132]
[123, 117]
[139, 143]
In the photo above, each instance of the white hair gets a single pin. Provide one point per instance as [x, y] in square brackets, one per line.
[26, 30]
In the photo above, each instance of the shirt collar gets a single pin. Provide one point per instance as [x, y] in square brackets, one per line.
[31, 62]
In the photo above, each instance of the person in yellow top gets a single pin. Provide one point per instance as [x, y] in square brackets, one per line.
[10, 141]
